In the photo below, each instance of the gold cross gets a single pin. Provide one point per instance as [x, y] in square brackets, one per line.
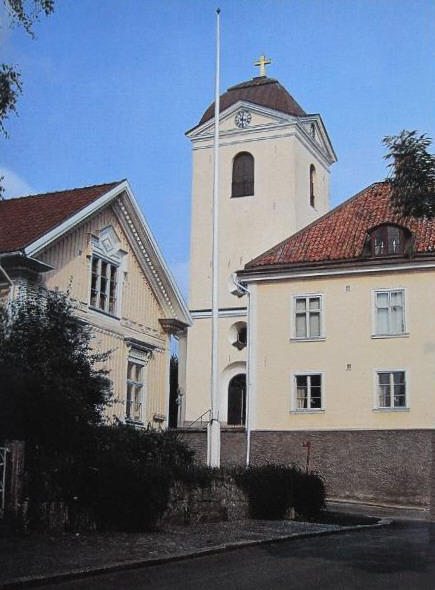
[262, 63]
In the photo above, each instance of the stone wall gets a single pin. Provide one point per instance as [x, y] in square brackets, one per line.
[221, 501]
[378, 466]
[233, 445]
[382, 466]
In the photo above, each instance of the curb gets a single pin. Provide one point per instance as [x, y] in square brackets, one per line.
[30, 581]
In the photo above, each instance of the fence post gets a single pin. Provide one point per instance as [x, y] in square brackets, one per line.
[14, 482]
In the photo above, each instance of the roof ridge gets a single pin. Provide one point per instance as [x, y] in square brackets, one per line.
[66, 190]
[313, 223]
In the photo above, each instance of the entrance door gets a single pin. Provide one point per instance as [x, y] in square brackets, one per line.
[237, 400]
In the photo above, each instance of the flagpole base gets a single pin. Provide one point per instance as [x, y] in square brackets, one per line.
[214, 444]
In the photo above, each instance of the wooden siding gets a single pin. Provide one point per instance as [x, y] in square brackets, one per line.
[139, 312]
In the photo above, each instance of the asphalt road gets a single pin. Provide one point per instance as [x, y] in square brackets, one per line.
[400, 557]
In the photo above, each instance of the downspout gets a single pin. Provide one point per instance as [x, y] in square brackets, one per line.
[245, 290]
[8, 278]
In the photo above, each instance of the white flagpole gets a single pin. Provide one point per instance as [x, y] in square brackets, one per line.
[213, 438]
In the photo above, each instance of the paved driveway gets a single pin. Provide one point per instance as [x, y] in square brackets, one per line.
[401, 557]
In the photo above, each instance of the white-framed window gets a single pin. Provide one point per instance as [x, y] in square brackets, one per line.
[107, 267]
[308, 319]
[389, 311]
[308, 392]
[134, 403]
[104, 281]
[391, 390]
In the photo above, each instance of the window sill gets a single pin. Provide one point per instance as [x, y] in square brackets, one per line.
[380, 336]
[106, 313]
[132, 422]
[318, 339]
[307, 411]
[391, 410]
[240, 196]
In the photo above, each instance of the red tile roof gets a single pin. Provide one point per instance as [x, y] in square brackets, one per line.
[266, 92]
[25, 219]
[340, 234]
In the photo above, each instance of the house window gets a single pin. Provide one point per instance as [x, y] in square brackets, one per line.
[389, 312]
[391, 389]
[308, 392]
[388, 240]
[135, 391]
[243, 175]
[103, 285]
[312, 185]
[308, 317]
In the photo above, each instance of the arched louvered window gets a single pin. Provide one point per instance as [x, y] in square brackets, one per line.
[243, 175]
[312, 185]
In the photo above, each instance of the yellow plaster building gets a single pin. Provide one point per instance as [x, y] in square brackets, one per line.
[326, 350]
[274, 179]
[342, 350]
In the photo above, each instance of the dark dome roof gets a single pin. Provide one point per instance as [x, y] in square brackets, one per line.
[264, 91]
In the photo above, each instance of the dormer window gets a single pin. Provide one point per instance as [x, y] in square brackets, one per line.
[243, 175]
[388, 240]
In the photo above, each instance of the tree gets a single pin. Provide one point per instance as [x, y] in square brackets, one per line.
[51, 393]
[22, 13]
[412, 173]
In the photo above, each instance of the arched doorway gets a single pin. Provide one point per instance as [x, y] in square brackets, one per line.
[237, 400]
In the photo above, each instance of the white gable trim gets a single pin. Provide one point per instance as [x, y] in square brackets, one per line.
[206, 129]
[139, 233]
[48, 238]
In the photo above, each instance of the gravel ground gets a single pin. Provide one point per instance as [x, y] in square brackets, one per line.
[34, 555]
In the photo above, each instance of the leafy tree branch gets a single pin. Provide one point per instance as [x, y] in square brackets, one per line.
[412, 173]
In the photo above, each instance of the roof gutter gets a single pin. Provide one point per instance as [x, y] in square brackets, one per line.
[13, 258]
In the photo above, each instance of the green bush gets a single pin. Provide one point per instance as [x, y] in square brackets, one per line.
[274, 489]
[127, 487]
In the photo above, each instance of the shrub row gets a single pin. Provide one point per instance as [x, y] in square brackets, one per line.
[122, 481]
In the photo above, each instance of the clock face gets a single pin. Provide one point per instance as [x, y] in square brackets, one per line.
[242, 119]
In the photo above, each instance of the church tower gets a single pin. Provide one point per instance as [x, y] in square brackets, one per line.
[274, 180]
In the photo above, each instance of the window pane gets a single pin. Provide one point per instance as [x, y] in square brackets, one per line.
[301, 304]
[130, 371]
[384, 396]
[301, 326]
[397, 320]
[393, 240]
[382, 299]
[398, 377]
[129, 401]
[301, 392]
[316, 381]
[382, 321]
[314, 302]
[314, 325]
[384, 390]
[396, 297]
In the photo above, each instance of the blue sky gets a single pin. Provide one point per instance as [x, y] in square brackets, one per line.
[111, 86]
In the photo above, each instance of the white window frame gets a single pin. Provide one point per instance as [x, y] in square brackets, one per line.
[106, 249]
[110, 266]
[129, 418]
[375, 332]
[294, 337]
[294, 395]
[391, 408]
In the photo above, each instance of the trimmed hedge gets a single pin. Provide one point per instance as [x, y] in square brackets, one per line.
[274, 489]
